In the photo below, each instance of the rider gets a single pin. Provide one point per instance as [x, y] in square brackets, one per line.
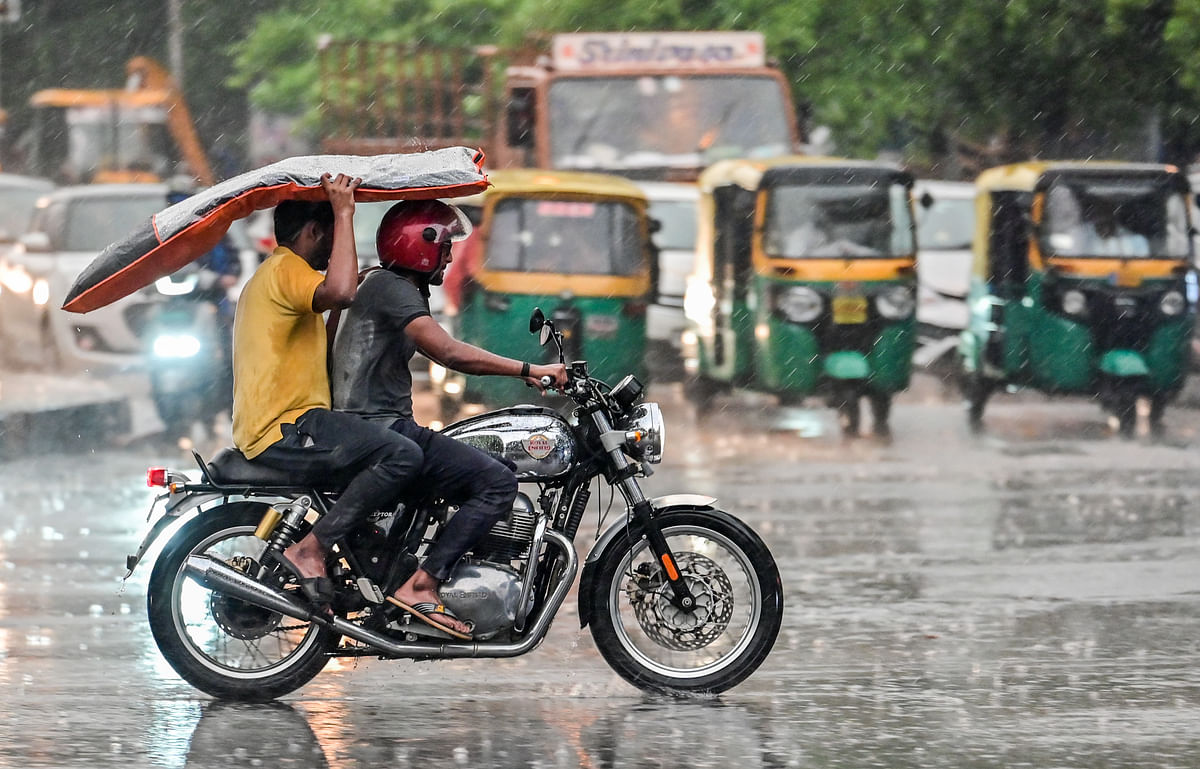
[282, 415]
[389, 321]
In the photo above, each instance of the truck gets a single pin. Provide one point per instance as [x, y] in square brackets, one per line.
[140, 133]
[646, 105]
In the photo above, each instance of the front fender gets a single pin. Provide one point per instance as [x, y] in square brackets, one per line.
[660, 505]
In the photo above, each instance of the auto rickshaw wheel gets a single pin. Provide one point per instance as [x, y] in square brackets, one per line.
[849, 415]
[976, 391]
[1126, 413]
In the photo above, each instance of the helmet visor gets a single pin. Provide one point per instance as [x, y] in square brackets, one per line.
[453, 227]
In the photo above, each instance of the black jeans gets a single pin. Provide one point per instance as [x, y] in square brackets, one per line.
[333, 448]
[482, 486]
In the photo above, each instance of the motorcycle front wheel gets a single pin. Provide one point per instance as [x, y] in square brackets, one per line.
[219, 644]
[656, 646]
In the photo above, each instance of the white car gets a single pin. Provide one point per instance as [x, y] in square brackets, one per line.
[673, 205]
[945, 214]
[69, 228]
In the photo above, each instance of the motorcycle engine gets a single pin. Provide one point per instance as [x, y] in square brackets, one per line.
[485, 593]
[509, 539]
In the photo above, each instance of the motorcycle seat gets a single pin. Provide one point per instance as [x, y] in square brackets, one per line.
[231, 468]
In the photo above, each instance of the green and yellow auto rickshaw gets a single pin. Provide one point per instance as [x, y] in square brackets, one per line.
[575, 244]
[804, 283]
[1080, 285]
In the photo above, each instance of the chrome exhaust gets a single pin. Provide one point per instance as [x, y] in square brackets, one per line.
[220, 578]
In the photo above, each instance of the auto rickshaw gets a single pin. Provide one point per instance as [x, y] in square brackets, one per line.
[1079, 285]
[575, 244]
[804, 283]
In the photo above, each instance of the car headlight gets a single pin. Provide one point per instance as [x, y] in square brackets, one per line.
[1172, 303]
[1074, 302]
[651, 432]
[896, 303]
[799, 304]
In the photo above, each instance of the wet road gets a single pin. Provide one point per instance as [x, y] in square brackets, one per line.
[1024, 598]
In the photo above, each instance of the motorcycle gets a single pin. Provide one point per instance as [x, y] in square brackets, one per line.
[187, 360]
[681, 597]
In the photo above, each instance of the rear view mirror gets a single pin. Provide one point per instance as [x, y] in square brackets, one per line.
[537, 321]
[35, 242]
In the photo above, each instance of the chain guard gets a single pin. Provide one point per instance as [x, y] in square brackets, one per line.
[674, 628]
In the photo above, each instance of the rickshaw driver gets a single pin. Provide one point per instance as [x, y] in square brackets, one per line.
[376, 339]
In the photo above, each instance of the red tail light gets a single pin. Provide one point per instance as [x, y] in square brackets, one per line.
[156, 476]
[634, 309]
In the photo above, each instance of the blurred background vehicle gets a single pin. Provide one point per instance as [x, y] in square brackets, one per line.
[70, 226]
[673, 210]
[18, 198]
[945, 215]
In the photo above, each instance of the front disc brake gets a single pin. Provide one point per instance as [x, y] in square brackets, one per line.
[668, 625]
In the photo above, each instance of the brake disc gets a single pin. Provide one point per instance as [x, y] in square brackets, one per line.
[668, 625]
[237, 618]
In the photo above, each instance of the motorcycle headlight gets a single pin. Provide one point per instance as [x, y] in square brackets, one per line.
[799, 304]
[896, 303]
[647, 423]
[1172, 303]
[177, 287]
[1074, 302]
[176, 346]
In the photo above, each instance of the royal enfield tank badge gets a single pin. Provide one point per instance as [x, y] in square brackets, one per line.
[538, 446]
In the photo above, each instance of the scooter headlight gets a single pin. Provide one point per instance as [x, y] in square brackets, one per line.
[799, 304]
[896, 303]
[1172, 303]
[176, 346]
[1074, 302]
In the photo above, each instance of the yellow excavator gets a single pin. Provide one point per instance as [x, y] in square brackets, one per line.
[143, 132]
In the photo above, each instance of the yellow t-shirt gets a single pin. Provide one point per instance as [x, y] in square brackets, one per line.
[278, 351]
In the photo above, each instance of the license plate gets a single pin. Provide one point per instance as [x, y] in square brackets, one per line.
[849, 309]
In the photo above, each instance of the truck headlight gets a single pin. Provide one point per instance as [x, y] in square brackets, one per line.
[799, 304]
[1172, 303]
[1074, 302]
[896, 303]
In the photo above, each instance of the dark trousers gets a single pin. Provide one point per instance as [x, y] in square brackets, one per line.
[482, 486]
[333, 448]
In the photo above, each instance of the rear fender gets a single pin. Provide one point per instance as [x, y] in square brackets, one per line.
[660, 505]
[177, 508]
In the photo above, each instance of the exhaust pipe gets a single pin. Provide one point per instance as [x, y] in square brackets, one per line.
[220, 578]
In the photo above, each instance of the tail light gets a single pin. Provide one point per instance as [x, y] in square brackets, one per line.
[156, 476]
[634, 309]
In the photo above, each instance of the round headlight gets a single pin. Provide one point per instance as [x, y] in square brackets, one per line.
[1172, 303]
[799, 304]
[896, 303]
[1074, 302]
[647, 419]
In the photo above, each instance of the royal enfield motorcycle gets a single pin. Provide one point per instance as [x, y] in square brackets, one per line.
[681, 597]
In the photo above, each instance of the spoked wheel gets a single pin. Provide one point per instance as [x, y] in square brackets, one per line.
[658, 647]
[219, 644]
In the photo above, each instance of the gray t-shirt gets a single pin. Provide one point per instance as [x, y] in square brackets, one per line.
[369, 374]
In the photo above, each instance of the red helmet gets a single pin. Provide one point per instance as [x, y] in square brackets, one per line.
[412, 234]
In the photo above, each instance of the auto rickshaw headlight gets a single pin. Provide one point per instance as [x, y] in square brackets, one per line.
[799, 304]
[1074, 302]
[896, 303]
[1172, 303]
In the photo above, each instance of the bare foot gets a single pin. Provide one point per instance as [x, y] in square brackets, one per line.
[309, 557]
[421, 587]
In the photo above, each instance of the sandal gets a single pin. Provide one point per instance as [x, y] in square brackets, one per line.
[318, 590]
[423, 609]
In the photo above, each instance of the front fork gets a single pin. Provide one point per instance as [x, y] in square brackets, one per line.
[643, 523]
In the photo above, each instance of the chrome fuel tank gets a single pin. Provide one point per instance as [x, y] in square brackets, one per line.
[537, 440]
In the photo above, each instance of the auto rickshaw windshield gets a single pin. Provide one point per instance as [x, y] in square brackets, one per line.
[842, 221]
[565, 236]
[1107, 218]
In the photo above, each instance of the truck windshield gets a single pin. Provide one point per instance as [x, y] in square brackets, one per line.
[665, 121]
[562, 236]
[819, 221]
[1125, 218]
[123, 138]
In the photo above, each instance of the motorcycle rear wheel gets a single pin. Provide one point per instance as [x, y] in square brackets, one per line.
[661, 649]
[222, 646]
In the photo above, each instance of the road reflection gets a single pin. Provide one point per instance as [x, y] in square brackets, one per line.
[510, 733]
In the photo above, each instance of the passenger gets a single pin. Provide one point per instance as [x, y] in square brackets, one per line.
[281, 400]
[390, 320]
